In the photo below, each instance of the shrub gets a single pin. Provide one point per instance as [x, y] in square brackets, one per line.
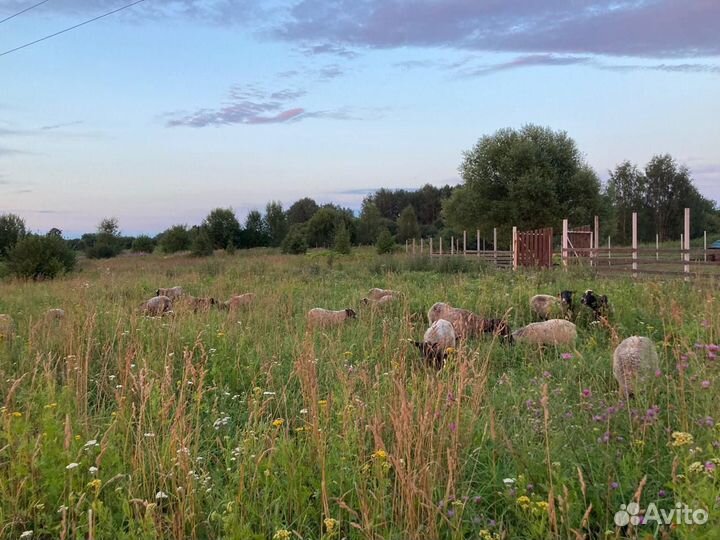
[342, 240]
[294, 242]
[202, 245]
[40, 257]
[385, 242]
[143, 244]
[230, 248]
[176, 238]
[12, 230]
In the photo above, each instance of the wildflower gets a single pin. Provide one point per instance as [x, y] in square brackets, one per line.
[711, 356]
[567, 356]
[450, 350]
[95, 484]
[149, 434]
[322, 402]
[77, 437]
[330, 524]
[509, 481]
[696, 467]
[705, 384]
[681, 438]
[547, 374]
[614, 485]
[658, 373]
[638, 443]
[586, 393]
[278, 422]
[220, 334]
[71, 466]
[93, 470]
[303, 411]
[347, 354]
[523, 502]
[51, 405]
[541, 506]
[26, 534]
[487, 535]
[380, 455]
[161, 495]
[17, 414]
[281, 534]
[710, 467]
[451, 513]
[91, 442]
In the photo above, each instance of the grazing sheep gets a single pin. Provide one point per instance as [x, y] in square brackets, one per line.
[172, 293]
[157, 305]
[237, 301]
[635, 362]
[546, 306]
[377, 294]
[198, 304]
[55, 314]
[382, 301]
[436, 341]
[598, 304]
[7, 327]
[319, 317]
[466, 323]
[552, 332]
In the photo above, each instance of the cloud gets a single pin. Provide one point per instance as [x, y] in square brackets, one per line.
[4, 151]
[643, 28]
[250, 105]
[527, 61]
[328, 48]
[53, 127]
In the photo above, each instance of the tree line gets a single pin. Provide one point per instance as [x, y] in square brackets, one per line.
[530, 177]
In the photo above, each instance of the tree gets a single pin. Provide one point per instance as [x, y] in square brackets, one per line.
[408, 227]
[342, 239]
[107, 242]
[301, 211]
[625, 189]
[294, 242]
[255, 233]
[276, 223]
[41, 257]
[370, 223]
[143, 244]
[174, 239]
[385, 242]
[202, 244]
[532, 177]
[12, 230]
[222, 227]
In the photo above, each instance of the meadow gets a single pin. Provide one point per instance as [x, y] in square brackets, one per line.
[245, 426]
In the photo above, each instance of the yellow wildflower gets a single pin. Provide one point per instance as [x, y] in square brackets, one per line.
[347, 354]
[487, 535]
[220, 334]
[380, 454]
[281, 534]
[680, 438]
[17, 414]
[298, 429]
[323, 402]
[696, 467]
[523, 501]
[278, 422]
[51, 405]
[330, 524]
[450, 350]
[639, 443]
[540, 507]
[95, 484]
[77, 437]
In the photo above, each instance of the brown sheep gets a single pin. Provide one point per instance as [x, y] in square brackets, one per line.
[197, 303]
[552, 332]
[172, 292]
[466, 323]
[157, 305]
[56, 314]
[238, 301]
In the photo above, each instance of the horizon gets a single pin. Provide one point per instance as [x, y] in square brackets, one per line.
[162, 112]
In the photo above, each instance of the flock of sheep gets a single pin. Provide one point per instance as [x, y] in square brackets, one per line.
[634, 360]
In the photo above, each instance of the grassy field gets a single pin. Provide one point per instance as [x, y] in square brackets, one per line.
[217, 425]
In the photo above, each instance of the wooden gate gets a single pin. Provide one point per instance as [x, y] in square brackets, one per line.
[580, 241]
[533, 248]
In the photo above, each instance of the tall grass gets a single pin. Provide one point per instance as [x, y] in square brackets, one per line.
[245, 425]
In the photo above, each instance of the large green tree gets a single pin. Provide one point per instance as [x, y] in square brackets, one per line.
[408, 227]
[370, 224]
[222, 227]
[275, 222]
[301, 211]
[107, 241]
[532, 177]
[12, 230]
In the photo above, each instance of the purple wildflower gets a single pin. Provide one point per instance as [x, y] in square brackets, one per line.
[662, 493]
[614, 485]
[586, 393]
[705, 384]
[567, 356]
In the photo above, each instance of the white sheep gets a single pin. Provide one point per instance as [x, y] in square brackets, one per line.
[552, 332]
[237, 301]
[377, 294]
[157, 305]
[382, 301]
[635, 362]
[545, 305]
[7, 327]
[436, 342]
[319, 317]
[56, 314]
[172, 292]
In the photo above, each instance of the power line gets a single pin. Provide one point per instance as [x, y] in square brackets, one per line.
[72, 27]
[23, 11]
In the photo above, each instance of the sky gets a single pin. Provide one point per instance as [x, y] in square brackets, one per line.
[170, 108]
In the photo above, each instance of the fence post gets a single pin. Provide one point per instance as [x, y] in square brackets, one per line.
[495, 245]
[515, 247]
[596, 236]
[634, 244]
[452, 245]
[705, 246]
[406, 246]
[464, 242]
[413, 246]
[565, 243]
[657, 247]
[421, 246]
[687, 244]
[609, 262]
[477, 242]
[441, 245]
[431, 246]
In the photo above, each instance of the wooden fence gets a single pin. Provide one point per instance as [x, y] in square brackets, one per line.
[436, 247]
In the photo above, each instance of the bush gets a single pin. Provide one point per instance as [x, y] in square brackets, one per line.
[41, 257]
[176, 238]
[202, 245]
[294, 242]
[230, 248]
[342, 240]
[385, 243]
[143, 244]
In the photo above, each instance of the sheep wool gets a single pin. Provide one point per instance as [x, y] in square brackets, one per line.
[465, 323]
[635, 362]
[377, 294]
[238, 301]
[157, 305]
[319, 317]
[55, 314]
[544, 305]
[441, 334]
[552, 332]
[172, 293]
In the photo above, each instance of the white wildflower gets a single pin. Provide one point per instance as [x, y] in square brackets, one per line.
[71, 466]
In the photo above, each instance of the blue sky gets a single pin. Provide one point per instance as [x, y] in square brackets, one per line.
[173, 107]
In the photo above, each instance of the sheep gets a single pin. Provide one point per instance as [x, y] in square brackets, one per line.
[377, 294]
[598, 304]
[319, 317]
[382, 301]
[7, 327]
[237, 301]
[545, 305]
[172, 293]
[157, 305]
[436, 342]
[635, 361]
[466, 323]
[552, 332]
[198, 304]
[55, 314]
